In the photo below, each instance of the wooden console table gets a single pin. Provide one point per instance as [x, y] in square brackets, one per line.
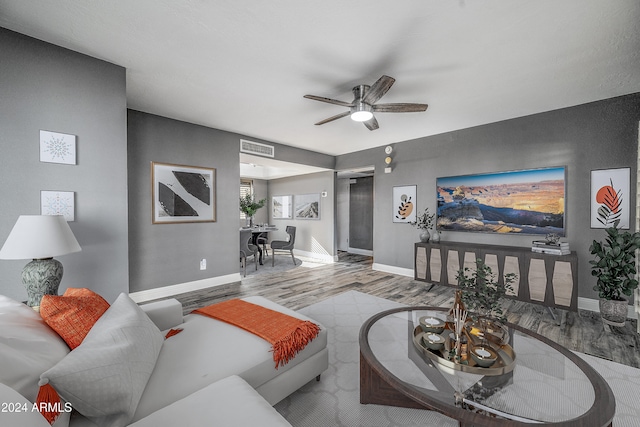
[550, 280]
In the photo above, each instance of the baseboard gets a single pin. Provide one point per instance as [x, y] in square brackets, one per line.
[358, 251]
[328, 258]
[594, 305]
[393, 269]
[168, 291]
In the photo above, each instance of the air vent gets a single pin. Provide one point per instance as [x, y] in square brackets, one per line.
[256, 148]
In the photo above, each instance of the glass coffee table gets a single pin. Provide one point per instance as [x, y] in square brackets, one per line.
[546, 384]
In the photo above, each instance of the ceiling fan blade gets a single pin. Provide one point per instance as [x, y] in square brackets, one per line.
[371, 124]
[399, 108]
[329, 100]
[378, 89]
[336, 117]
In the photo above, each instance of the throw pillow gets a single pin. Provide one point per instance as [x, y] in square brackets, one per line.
[104, 377]
[73, 314]
[28, 347]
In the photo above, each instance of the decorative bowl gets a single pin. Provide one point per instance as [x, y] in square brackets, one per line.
[433, 341]
[431, 324]
[484, 356]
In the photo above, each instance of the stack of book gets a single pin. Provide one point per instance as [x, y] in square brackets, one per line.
[545, 247]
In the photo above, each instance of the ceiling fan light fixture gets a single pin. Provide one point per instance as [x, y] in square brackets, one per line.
[361, 112]
[364, 103]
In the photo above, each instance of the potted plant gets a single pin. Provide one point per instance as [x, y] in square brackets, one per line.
[424, 222]
[481, 292]
[249, 206]
[614, 266]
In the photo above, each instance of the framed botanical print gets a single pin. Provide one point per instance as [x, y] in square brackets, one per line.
[610, 193]
[404, 203]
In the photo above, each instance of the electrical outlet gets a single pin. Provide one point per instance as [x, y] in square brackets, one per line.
[203, 264]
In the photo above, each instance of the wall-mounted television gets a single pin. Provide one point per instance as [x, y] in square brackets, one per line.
[528, 201]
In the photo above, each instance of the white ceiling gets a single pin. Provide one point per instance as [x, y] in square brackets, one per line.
[244, 65]
[255, 167]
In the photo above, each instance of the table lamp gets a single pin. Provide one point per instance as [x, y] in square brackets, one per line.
[40, 238]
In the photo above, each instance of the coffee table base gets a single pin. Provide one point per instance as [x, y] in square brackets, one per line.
[374, 389]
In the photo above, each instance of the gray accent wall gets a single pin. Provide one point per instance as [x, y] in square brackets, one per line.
[46, 87]
[162, 255]
[169, 254]
[599, 135]
[342, 214]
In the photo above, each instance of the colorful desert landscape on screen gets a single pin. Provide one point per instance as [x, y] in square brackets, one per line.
[526, 202]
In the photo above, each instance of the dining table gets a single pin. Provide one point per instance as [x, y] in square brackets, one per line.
[256, 231]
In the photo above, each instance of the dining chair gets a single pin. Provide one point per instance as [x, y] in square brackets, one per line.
[284, 245]
[247, 249]
[263, 239]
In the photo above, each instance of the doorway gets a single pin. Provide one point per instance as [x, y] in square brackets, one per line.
[354, 208]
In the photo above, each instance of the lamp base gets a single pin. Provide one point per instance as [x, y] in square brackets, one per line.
[41, 277]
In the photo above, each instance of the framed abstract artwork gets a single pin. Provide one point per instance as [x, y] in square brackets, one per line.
[57, 147]
[58, 203]
[282, 207]
[404, 203]
[610, 193]
[529, 201]
[307, 206]
[182, 193]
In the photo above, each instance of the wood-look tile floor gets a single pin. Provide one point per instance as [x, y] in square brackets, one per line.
[311, 283]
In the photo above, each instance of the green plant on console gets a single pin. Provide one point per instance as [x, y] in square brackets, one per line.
[481, 292]
[424, 221]
[614, 264]
[249, 206]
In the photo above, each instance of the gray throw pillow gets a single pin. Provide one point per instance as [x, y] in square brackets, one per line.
[104, 377]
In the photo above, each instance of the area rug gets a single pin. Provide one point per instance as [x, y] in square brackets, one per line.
[335, 399]
[283, 263]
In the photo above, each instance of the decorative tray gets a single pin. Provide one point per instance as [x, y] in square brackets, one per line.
[495, 345]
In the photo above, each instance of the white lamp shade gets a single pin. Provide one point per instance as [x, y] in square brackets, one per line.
[38, 237]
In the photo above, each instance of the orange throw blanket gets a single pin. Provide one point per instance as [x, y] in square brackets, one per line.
[287, 335]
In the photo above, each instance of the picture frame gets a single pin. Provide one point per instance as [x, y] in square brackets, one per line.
[404, 203]
[610, 194]
[307, 206]
[525, 201]
[182, 194]
[57, 147]
[58, 203]
[282, 207]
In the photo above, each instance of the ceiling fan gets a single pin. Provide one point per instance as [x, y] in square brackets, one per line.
[363, 106]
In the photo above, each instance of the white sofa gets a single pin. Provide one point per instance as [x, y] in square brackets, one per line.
[211, 372]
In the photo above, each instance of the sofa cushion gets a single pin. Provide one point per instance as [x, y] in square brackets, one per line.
[28, 347]
[73, 314]
[230, 402]
[104, 377]
[208, 350]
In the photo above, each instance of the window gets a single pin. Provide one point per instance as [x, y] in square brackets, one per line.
[246, 187]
